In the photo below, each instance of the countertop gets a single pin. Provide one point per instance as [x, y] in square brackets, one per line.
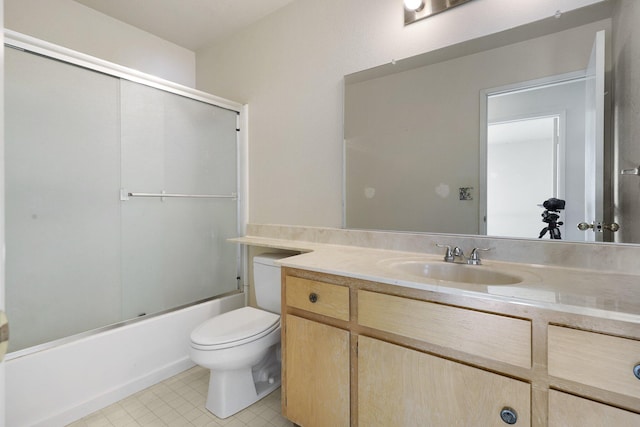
[606, 295]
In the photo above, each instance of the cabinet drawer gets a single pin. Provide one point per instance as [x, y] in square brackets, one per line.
[500, 338]
[566, 410]
[317, 297]
[402, 387]
[594, 359]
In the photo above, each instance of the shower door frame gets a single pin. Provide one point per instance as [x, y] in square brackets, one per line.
[16, 40]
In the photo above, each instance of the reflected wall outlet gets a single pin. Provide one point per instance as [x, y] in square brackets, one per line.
[465, 193]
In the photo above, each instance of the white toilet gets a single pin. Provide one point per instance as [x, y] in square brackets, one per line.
[242, 347]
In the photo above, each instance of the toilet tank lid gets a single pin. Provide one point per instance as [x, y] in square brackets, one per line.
[234, 325]
[269, 258]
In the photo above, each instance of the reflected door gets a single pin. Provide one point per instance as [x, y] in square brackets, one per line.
[594, 138]
[522, 172]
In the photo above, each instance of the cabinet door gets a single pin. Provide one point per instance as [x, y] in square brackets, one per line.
[566, 410]
[316, 373]
[402, 387]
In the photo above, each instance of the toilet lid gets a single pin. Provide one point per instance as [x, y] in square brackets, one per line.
[236, 326]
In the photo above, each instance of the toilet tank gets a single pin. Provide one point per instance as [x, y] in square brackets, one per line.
[266, 281]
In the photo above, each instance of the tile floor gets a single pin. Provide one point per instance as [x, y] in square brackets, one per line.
[179, 402]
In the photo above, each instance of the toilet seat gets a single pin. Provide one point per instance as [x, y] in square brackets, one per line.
[234, 328]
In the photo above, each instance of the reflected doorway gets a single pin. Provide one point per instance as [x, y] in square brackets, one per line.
[522, 171]
[517, 178]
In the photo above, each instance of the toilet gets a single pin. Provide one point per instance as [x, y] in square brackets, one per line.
[242, 347]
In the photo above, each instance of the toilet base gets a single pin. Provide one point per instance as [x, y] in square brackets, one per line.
[234, 390]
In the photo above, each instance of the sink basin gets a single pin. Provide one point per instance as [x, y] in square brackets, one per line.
[461, 273]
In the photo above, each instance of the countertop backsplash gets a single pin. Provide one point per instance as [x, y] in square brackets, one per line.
[603, 257]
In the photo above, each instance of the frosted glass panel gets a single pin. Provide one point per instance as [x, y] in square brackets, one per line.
[62, 207]
[79, 257]
[175, 250]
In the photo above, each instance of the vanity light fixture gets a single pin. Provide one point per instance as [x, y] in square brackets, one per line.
[414, 5]
[415, 10]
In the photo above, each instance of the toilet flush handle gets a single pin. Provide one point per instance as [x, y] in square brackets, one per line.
[313, 297]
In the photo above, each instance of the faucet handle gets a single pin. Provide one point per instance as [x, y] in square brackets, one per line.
[474, 259]
[448, 255]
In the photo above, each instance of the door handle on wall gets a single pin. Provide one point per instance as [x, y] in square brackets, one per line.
[634, 171]
[598, 227]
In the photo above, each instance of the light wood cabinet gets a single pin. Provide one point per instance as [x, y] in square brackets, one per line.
[502, 338]
[316, 355]
[403, 387]
[318, 297]
[566, 410]
[361, 353]
[317, 373]
[597, 360]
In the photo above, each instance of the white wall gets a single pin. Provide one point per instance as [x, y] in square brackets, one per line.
[289, 67]
[60, 385]
[75, 26]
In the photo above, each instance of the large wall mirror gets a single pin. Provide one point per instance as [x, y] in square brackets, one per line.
[475, 138]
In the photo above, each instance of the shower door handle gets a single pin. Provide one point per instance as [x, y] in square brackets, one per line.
[4, 334]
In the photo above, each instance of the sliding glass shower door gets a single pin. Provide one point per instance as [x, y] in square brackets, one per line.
[62, 161]
[89, 240]
[174, 249]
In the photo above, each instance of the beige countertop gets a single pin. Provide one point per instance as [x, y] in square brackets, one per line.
[606, 295]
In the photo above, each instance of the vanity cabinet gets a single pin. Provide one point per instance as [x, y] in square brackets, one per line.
[398, 386]
[317, 373]
[491, 336]
[567, 410]
[316, 355]
[363, 353]
[600, 362]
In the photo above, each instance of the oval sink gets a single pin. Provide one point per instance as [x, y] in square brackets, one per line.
[460, 273]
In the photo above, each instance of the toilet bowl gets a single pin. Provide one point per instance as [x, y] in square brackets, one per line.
[242, 347]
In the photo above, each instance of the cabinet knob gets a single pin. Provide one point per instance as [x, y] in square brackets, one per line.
[636, 371]
[313, 297]
[509, 416]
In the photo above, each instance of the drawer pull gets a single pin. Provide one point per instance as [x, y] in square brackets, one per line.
[636, 371]
[313, 297]
[509, 416]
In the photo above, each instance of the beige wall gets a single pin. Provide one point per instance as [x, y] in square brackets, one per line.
[74, 26]
[626, 39]
[289, 67]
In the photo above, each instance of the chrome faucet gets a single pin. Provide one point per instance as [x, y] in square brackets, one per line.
[453, 254]
[457, 253]
[474, 258]
[448, 255]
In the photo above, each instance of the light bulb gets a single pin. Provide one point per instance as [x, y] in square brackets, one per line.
[413, 5]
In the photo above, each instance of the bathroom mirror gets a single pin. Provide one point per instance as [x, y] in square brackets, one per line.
[419, 132]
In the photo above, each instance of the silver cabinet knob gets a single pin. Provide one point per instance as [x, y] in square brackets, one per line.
[509, 416]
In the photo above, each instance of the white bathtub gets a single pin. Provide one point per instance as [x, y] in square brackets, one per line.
[57, 386]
